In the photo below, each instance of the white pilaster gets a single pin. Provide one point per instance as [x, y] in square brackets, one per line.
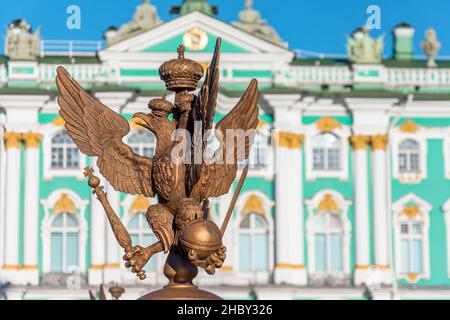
[10, 270]
[371, 119]
[362, 244]
[112, 266]
[30, 271]
[2, 189]
[289, 225]
[98, 234]
[380, 208]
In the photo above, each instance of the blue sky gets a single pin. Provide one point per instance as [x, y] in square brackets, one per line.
[316, 25]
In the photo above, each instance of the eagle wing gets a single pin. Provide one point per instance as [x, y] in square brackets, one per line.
[98, 131]
[217, 176]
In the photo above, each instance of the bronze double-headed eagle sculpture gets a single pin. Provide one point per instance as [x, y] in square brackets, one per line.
[179, 175]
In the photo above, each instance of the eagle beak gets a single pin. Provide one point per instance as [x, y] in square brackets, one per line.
[142, 120]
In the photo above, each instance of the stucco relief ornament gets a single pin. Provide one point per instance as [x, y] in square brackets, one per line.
[180, 220]
[21, 43]
[431, 47]
[363, 49]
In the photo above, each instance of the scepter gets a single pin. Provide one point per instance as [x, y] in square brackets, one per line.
[119, 230]
[233, 201]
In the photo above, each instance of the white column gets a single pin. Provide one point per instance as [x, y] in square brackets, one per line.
[10, 270]
[98, 234]
[359, 143]
[2, 191]
[30, 270]
[113, 250]
[289, 229]
[380, 205]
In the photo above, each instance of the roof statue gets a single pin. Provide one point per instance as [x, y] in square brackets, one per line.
[189, 6]
[145, 18]
[431, 47]
[21, 43]
[179, 173]
[363, 49]
[251, 22]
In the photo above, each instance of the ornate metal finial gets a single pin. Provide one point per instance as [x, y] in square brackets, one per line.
[431, 47]
[178, 220]
[181, 50]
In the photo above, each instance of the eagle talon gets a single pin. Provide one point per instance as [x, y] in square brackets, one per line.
[136, 258]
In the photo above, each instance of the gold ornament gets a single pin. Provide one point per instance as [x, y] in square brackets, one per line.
[328, 204]
[379, 142]
[359, 142]
[195, 39]
[253, 204]
[12, 139]
[64, 204]
[289, 266]
[327, 124]
[289, 140]
[411, 212]
[59, 122]
[32, 139]
[140, 204]
[409, 126]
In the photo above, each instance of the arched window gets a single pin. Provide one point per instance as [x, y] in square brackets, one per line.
[143, 143]
[65, 154]
[412, 237]
[326, 152]
[408, 156]
[142, 235]
[64, 243]
[253, 244]
[411, 247]
[328, 244]
[258, 154]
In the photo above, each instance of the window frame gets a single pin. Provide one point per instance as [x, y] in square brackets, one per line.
[49, 131]
[313, 210]
[408, 153]
[65, 230]
[400, 217]
[410, 237]
[65, 146]
[253, 231]
[326, 153]
[141, 232]
[328, 232]
[415, 177]
[243, 278]
[142, 145]
[48, 205]
[342, 133]
[154, 277]
[266, 171]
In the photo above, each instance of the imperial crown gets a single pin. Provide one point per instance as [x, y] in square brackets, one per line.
[181, 74]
